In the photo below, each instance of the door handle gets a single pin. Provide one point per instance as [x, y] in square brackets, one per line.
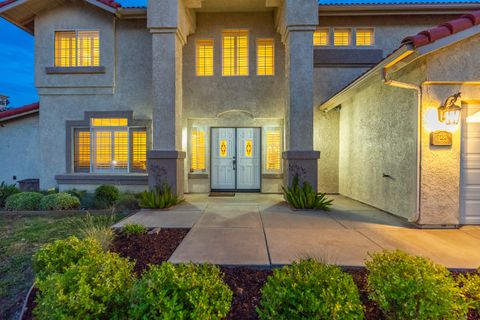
[234, 163]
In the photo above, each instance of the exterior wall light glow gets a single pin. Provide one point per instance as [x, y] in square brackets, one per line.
[449, 113]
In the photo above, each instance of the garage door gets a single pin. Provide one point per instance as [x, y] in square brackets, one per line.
[471, 165]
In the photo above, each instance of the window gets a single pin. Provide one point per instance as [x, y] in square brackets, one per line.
[274, 149]
[235, 53]
[198, 147]
[342, 37]
[77, 48]
[365, 37]
[110, 146]
[205, 58]
[265, 57]
[321, 37]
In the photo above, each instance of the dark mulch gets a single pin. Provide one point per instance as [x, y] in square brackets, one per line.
[149, 248]
[372, 312]
[30, 305]
[245, 284]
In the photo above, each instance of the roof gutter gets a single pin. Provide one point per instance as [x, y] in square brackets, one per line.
[20, 115]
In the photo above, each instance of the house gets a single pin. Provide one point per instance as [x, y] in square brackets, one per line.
[3, 102]
[242, 95]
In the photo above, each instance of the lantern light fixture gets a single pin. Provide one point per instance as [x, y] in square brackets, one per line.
[449, 112]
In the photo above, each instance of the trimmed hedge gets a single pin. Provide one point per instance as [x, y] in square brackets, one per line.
[310, 290]
[106, 195]
[59, 201]
[6, 191]
[186, 291]
[409, 287]
[24, 201]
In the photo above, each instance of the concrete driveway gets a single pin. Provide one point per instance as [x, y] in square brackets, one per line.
[261, 230]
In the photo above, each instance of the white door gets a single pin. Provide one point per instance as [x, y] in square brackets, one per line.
[223, 159]
[248, 158]
[471, 165]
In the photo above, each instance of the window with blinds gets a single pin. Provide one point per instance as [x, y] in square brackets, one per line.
[110, 146]
[265, 57]
[342, 36]
[274, 149]
[321, 37]
[235, 53]
[77, 48]
[198, 150]
[365, 37]
[204, 58]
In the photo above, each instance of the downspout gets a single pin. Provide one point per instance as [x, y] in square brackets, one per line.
[418, 89]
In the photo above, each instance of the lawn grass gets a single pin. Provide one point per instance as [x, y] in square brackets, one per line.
[21, 235]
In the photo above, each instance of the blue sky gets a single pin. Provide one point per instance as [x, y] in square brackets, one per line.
[16, 56]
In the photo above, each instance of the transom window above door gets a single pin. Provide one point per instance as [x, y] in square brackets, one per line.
[77, 48]
[235, 53]
[110, 145]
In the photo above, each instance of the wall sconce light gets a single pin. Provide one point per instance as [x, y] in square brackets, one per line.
[449, 112]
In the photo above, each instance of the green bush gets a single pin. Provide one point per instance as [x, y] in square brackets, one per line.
[98, 228]
[97, 287]
[6, 191]
[24, 201]
[185, 291]
[107, 194]
[133, 228]
[310, 290]
[59, 201]
[127, 202]
[305, 197]
[410, 287]
[161, 198]
[470, 286]
[58, 256]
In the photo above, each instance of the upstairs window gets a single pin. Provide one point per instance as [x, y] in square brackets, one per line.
[110, 146]
[342, 37]
[77, 49]
[265, 57]
[321, 37]
[235, 53]
[204, 58]
[365, 37]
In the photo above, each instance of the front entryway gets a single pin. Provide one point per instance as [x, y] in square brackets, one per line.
[235, 159]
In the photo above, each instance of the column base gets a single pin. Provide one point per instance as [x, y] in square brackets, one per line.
[166, 167]
[303, 163]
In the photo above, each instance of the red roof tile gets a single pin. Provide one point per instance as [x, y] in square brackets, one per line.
[444, 30]
[19, 111]
[110, 3]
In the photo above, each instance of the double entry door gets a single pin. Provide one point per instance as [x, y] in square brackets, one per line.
[235, 159]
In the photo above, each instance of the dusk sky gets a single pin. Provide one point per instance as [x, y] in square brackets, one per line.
[16, 56]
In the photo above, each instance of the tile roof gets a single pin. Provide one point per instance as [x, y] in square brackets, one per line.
[110, 3]
[17, 112]
[444, 30]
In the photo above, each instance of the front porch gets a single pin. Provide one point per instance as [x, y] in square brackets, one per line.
[261, 230]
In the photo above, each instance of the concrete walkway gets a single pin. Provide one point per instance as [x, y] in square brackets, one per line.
[261, 230]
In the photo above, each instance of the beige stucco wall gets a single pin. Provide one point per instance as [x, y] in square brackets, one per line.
[19, 149]
[126, 85]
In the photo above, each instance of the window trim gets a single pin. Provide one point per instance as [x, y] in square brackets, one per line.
[373, 37]
[213, 57]
[329, 37]
[76, 39]
[272, 40]
[247, 31]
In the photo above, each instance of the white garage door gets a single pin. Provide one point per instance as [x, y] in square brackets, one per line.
[471, 165]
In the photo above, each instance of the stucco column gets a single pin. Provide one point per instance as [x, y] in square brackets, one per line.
[300, 157]
[166, 160]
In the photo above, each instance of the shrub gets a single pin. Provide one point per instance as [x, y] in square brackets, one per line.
[6, 191]
[185, 291]
[409, 287]
[97, 287]
[161, 198]
[58, 256]
[305, 197]
[24, 201]
[98, 228]
[80, 194]
[310, 290]
[127, 202]
[59, 201]
[133, 228]
[107, 194]
[470, 286]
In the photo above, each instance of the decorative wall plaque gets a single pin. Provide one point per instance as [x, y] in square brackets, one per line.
[441, 138]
